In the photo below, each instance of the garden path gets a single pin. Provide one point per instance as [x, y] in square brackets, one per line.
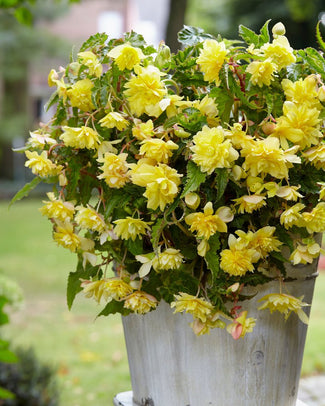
[312, 390]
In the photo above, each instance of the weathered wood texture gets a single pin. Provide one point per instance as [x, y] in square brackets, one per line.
[170, 366]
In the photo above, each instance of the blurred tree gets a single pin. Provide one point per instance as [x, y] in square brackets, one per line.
[177, 10]
[20, 46]
[23, 9]
[223, 16]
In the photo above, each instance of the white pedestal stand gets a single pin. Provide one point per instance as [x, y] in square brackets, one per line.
[125, 399]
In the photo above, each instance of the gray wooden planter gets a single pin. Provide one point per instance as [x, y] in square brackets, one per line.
[170, 366]
[125, 399]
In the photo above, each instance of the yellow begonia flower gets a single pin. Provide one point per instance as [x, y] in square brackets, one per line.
[89, 59]
[53, 79]
[161, 183]
[241, 326]
[306, 252]
[238, 259]
[255, 184]
[146, 260]
[272, 188]
[89, 219]
[263, 241]
[80, 137]
[285, 304]
[211, 58]
[145, 90]
[314, 221]
[322, 190]
[280, 52]
[140, 302]
[126, 56]
[142, 131]
[249, 203]
[316, 156]
[303, 91]
[114, 119]
[38, 140]
[111, 288]
[41, 165]
[262, 72]
[292, 216]
[80, 95]
[57, 209]
[213, 321]
[130, 227]
[238, 137]
[289, 192]
[107, 146]
[266, 157]
[171, 258]
[170, 104]
[237, 173]
[115, 169]
[199, 308]
[65, 236]
[212, 151]
[299, 124]
[206, 224]
[158, 149]
[203, 247]
[208, 107]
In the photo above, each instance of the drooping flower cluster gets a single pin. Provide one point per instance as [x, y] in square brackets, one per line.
[183, 177]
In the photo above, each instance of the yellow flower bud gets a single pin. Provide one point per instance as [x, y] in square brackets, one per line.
[163, 55]
[278, 29]
[192, 200]
[180, 132]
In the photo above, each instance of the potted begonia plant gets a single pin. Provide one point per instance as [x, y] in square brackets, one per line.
[192, 183]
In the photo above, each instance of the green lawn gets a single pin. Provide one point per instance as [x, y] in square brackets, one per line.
[90, 354]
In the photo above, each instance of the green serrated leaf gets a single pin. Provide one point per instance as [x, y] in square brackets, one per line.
[249, 36]
[24, 191]
[192, 120]
[269, 102]
[114, 307]
[192, 35]
[224, 101]
[314, 59]
[117, 198]
[135, 247]
[264, 37]
[237, 91]
[221, 181]
[212, 258]
[135, 39]
[319, 37]
[194, 178]
[94, 40]
[52, 100]
[284, 237]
